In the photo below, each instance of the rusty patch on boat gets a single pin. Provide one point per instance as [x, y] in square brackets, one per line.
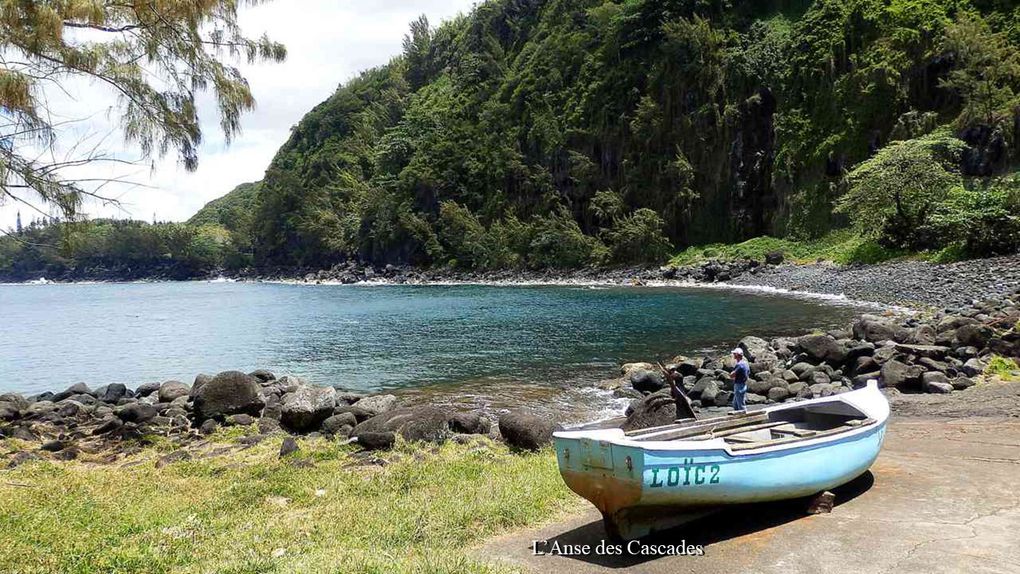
[607, 492]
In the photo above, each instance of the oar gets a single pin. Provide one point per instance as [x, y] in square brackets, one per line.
[684, 405]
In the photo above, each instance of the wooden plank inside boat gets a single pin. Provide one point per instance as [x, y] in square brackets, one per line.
[692, 423]
[694, 430]
[790, 439]
[738, 430]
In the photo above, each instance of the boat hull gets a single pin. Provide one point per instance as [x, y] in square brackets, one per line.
[642, 487]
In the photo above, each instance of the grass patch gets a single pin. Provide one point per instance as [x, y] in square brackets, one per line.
[250, 512]
[1003, 368]
[842, 247]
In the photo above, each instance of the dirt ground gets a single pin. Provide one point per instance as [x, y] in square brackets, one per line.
[942, 497]
[985, 400]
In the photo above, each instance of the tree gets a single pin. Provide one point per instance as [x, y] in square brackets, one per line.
[416, 52]
[893, 195]
[638, 237]
[157, 56]
[986, 73]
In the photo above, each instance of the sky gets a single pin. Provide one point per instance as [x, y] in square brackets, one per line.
[328, 43]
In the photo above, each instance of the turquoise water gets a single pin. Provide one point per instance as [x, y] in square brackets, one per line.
[481, 344]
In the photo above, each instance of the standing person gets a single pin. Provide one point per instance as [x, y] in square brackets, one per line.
[739, 374]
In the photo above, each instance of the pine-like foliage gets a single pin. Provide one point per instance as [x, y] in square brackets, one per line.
[156, 55]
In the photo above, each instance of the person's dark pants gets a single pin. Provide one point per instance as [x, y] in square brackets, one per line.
[739, 394]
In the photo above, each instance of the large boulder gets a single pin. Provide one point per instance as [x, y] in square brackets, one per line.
[646, 381]
[884, 354]
[111, 393]
[774, 257]
[15, 399]
[761, 387]
[136, 412]
[377, 404]
[961, 383]
[823, 348]
[1006, 346]
[526, 431]
[935, 382]
[938, 387]
[753, 347]
[304, 409]
[9, 411]
[228, 393]
[426, 423]
[283, 385]
[688, 367]
[171, 390]
[146, 389]
[973, 367]
[875, 329]
[953, 322]
[339, 425]
[708, 394]
[923, 335]
[778, 394]
[39, 408]
[820, 390]
[975, 335]
[200, 381]
[699, 386]
[469, 423]
[757, 351]
[802, 369]
[898, 374]
[654, 410]
[376, 440]
[71, 409]
[359, 414]
[76, 389]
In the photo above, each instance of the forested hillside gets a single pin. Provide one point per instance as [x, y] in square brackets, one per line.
[565, 133]
[568, 132]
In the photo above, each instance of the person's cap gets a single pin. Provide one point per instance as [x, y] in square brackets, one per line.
[672, 368]
[738, 351]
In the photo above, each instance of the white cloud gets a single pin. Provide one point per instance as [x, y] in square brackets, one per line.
[328, 43]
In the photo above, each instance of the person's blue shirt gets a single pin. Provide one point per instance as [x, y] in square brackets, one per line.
[741, 372]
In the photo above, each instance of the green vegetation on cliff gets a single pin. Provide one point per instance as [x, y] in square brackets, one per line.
[566, 133]
[232, 211]
[571, 132]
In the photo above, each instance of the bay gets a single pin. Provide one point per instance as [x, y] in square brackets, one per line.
[477, 346]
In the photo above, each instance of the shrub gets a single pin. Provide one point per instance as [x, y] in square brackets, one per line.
[983, 221]
[461, 233]
[638, 238]
[893, 195]
[558, 241]
[1004, 368]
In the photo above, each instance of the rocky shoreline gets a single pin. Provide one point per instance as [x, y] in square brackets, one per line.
[916, 284]
[947, 352]
[938, 351]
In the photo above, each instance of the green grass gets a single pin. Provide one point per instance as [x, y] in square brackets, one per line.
[842, 247]
[248, 511]
[1003, 368]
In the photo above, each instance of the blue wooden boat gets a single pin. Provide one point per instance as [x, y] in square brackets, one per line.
[656, 478]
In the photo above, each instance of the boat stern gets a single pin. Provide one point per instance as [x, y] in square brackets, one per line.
[606, 474]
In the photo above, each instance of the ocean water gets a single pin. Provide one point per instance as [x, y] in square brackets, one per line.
[480, 346]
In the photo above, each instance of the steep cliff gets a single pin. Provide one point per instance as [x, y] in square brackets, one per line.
[568, 132]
